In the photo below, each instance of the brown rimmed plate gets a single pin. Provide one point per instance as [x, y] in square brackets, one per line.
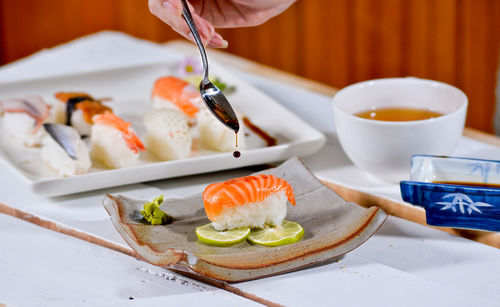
[332, 226]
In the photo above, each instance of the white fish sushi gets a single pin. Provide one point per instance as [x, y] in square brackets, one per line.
[77, 110]
[168, 135]
[22, 119]
[215, 135]
[113, 142]
[64, 151]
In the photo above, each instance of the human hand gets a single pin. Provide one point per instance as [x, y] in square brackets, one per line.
[208, 14]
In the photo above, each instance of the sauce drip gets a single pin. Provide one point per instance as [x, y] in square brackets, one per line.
[236, 153]
[472, 184]
[270, 141]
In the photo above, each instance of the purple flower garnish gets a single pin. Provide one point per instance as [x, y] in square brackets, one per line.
[188, 67]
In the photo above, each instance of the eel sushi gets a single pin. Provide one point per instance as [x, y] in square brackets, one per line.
[251, 201]
[174, 93]
[64, 151]
[113, 142]
[78, 109]
[168, 135]
[23, 118]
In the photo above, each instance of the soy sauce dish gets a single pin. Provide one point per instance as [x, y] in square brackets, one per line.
[455, 192]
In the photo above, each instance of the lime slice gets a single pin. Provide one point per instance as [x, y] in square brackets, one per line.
[209, 235]
[288, 232]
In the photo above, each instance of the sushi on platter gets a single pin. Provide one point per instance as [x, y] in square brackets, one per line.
[23, 118]
[174, 93]
[77, 110]
[215, 135]
[251, 201]
[168, 135]
[64, 151]
[113, 142]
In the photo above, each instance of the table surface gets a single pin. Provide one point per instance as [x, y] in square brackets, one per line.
[404, 263]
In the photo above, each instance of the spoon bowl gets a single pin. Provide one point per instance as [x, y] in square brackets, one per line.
[213, 97]
[218, 105]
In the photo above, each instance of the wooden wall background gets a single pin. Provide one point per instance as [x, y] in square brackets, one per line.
[337, 42]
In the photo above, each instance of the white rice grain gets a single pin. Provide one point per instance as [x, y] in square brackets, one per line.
[59, 161]
[271, 211]
[168, 135]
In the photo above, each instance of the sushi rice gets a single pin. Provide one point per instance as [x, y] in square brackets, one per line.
[215, 135]
[270, 211]
[58, 160]
[22, 119]
[113, 142]
[168, 136]
[20, 128]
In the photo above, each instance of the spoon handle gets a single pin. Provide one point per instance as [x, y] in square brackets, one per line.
[192, 26]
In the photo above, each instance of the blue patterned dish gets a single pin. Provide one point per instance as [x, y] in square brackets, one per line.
[455, 205]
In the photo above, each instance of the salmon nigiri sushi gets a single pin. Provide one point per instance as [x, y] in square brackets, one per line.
[251, 201]
[23, 119]
[113, 142]
[174, 93]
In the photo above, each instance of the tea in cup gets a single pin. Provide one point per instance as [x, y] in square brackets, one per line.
[382, 123]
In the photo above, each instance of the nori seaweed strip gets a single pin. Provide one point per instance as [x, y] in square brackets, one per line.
[71, 105]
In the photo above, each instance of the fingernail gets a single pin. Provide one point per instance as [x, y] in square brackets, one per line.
[218, 41]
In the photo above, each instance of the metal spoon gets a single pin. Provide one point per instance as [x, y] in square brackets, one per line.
[213, 96]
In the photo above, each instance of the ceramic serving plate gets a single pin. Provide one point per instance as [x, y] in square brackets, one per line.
[130, 89]
[458, 204]
[332, 226]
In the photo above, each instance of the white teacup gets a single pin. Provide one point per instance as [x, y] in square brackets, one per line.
[384, 148]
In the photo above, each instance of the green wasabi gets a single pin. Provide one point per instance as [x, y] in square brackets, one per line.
[152, 213]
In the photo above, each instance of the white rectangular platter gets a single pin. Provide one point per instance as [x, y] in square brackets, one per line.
[130, 89]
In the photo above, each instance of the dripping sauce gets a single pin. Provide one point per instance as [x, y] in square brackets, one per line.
[236, 153]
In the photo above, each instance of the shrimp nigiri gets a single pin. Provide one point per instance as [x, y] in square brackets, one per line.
[23, 118]
[250, 201]
[113, 142]
[170, 92]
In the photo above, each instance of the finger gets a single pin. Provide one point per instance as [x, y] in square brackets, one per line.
[217, 41]
[170, 12]
[205, 28]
